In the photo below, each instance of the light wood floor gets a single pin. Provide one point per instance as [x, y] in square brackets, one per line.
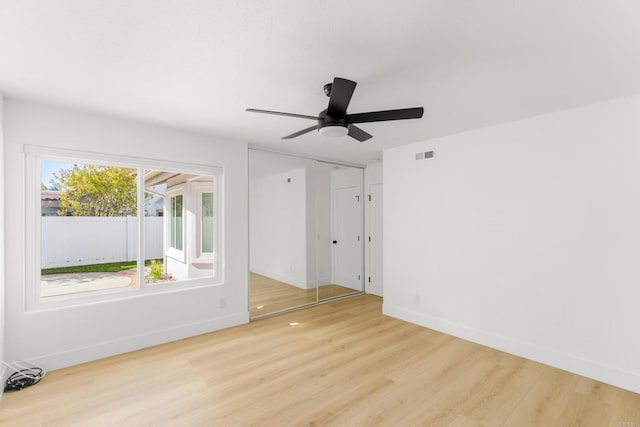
[342, 363]
[267, 295]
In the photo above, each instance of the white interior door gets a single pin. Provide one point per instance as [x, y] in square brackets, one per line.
[374, 285]
[347, 240]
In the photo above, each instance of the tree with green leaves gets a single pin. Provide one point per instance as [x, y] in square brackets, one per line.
[53, 187]
[93, 190]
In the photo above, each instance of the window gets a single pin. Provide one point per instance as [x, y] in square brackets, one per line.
[206, 226]
[207, 223]
[105, 226]
[177, 224]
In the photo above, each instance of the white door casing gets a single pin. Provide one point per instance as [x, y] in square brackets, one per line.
[374, 240]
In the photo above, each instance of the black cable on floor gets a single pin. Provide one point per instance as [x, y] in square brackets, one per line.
[24, 378]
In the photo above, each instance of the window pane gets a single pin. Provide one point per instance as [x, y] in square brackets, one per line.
[88, 227]
[180, 231]
[155, 190]
[176, 222]
[207, 222]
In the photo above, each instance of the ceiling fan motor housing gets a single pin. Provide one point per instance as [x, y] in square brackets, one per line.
[332, 126]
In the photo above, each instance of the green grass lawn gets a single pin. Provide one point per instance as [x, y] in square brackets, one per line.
[112, 267]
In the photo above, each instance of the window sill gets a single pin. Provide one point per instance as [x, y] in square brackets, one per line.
[113, 295]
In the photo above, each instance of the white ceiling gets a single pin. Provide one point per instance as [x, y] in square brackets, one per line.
[198, 64]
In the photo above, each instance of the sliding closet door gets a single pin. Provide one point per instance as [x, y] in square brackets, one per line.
[305, 232]
[281, 232]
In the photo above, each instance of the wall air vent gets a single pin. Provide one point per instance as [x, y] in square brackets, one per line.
[424, 155]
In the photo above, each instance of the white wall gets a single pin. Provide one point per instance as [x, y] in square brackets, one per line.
[524, 237]
[62, 337]
[2, 244]
[279, 226]
[373, 174]
[347, 177]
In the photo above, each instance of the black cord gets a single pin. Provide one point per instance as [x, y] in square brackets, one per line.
[23, 378]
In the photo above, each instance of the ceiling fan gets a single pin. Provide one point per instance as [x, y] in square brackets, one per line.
[334, 121]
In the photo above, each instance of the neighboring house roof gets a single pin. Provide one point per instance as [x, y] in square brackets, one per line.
[50, 195]
[50, 202]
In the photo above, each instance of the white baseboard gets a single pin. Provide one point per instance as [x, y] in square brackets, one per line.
[136, 342]
[568, 362]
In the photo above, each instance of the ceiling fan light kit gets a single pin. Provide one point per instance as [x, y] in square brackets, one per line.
[333, 130]
[335, 122]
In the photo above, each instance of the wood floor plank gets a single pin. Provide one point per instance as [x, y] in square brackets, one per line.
[340, 363]
[497, 402]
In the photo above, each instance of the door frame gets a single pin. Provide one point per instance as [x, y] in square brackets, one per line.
[369, 252]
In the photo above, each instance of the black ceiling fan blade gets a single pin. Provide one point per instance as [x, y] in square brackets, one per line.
[300, 132]
[278, 113]
[382, 116]
[341, 93]
[356, 133]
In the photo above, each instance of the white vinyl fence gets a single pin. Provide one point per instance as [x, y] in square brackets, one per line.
[80, 240]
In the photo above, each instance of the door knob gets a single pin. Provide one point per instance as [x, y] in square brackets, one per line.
[335, 242]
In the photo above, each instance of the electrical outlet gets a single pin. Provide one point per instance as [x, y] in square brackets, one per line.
[416, 300]
[223, 302]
